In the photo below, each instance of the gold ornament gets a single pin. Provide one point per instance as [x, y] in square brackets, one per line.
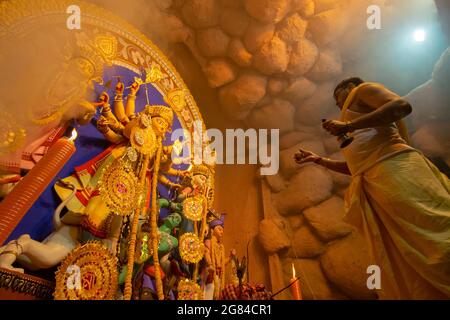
[145, 121]
[210, 193]
[143, 140]
[132, 154]
[106, 45]
[202, 169]
[189, 290]
[176, 99]
[193, 208]
[88, 273]
[154, 74]
[119, 188]
[139, 137]
[191, 248]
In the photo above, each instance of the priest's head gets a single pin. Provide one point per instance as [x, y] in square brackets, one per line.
[344, 88]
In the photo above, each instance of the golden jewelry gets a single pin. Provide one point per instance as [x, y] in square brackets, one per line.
[193, 208]
[145, 121]
[119, 188]
[154, 74]
[189, 290]
[143, 140]
[131, 154]
[176, 99]
[106, 46]
[202, 169]
[88, 273]
[191, 248]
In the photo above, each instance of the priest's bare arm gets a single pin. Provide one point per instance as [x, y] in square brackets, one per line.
[381, 107]
[304, 156]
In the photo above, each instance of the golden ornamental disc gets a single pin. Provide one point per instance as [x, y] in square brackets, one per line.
[191, 248]
[193, 208]
[119, 188]
[143, 140]
[176, 98]
[88, 273]
[189, 290]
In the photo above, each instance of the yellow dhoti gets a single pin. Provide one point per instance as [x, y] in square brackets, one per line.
[402, 208]
[400, 203]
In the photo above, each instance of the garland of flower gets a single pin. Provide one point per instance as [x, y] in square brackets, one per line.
[201, 236]
[154, 223]
[154, 228]
[133, 234]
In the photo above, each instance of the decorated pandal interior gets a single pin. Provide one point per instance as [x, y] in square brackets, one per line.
[124, 219]
[102, 196]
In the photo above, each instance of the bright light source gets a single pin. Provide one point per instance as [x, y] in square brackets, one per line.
[419, 35]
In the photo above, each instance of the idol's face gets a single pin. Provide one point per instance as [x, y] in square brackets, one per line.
[175, 219]
[199, 183]
[218, 232]
[341, 95]
[160, 126]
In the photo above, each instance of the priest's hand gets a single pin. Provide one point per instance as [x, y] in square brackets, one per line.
[304, 156]
[336, 127]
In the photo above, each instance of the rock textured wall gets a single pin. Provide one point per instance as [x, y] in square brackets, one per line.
[431, 119]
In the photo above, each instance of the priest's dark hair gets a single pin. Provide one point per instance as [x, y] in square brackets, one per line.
[354, 80]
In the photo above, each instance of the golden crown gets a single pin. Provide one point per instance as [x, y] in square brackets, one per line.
[202, 169]
[160, 111]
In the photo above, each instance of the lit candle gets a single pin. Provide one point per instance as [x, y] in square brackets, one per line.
[295, 287]
[17, 203]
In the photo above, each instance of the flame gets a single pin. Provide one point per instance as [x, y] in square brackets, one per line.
[293, 271]
[74, 135]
